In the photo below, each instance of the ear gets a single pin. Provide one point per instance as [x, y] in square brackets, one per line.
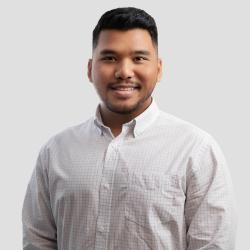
[159, 74]
[90, 70]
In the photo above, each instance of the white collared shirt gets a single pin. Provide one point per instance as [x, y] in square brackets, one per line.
[162, 183]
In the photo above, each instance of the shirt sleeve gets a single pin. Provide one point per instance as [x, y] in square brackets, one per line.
[39, 229]
[210, 206]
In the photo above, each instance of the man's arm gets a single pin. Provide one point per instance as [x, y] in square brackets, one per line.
[39, 229]
[209, 209]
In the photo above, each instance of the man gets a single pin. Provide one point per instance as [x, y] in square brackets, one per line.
[132, 176]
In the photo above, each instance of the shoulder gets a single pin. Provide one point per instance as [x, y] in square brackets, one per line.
[177, 123]
[180, 128]
[68, 137]
[201, 141]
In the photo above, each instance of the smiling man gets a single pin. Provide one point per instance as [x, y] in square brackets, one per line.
[132, 176]
[124, 69]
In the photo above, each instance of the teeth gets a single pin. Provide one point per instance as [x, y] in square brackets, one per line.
[125, 89]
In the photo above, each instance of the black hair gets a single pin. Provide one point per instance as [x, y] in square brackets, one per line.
[125, 19]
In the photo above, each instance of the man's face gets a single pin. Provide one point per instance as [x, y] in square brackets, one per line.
[124, 70]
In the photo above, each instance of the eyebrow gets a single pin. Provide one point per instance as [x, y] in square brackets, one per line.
[142, 52]
[137, 52]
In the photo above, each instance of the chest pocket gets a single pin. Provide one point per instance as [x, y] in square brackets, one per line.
[154, 200]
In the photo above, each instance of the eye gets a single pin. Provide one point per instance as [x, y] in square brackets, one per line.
[108, 58]
[140, 59]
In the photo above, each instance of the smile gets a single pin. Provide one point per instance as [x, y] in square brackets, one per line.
[124, 92]
[124, 89]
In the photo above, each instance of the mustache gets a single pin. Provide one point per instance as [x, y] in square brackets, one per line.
[125, 83]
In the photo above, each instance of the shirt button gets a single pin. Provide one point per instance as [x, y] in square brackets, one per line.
[114, 146]
[101, 228]
[124, 170]
[106, 186]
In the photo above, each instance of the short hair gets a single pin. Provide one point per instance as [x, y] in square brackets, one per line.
[125, 19]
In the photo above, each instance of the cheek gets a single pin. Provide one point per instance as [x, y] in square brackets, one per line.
[149, 75]
[102, 73]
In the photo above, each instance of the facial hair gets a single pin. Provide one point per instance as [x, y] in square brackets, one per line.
[127, 110]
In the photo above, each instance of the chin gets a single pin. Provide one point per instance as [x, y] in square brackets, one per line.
[124, 110]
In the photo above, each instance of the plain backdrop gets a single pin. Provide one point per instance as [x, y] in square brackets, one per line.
[45, 46]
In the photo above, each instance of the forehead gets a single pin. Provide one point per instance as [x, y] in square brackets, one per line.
[117, 40]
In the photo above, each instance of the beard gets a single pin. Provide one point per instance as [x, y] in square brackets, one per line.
[126, 110]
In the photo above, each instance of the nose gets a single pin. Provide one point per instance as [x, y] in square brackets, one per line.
[124, 70]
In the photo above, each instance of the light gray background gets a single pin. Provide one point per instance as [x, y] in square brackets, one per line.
[44, 50]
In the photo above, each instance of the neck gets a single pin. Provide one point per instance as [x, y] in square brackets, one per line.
[115, 120]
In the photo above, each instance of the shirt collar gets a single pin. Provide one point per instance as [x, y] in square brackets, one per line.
[139, 123]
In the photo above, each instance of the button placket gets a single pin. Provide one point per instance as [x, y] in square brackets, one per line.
[105, 194]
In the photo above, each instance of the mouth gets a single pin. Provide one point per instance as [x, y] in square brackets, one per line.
[124, 90]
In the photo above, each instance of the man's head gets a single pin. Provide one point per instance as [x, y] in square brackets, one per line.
[125, 66]
[125, 19]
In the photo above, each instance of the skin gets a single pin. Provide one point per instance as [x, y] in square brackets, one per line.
[120, 59]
